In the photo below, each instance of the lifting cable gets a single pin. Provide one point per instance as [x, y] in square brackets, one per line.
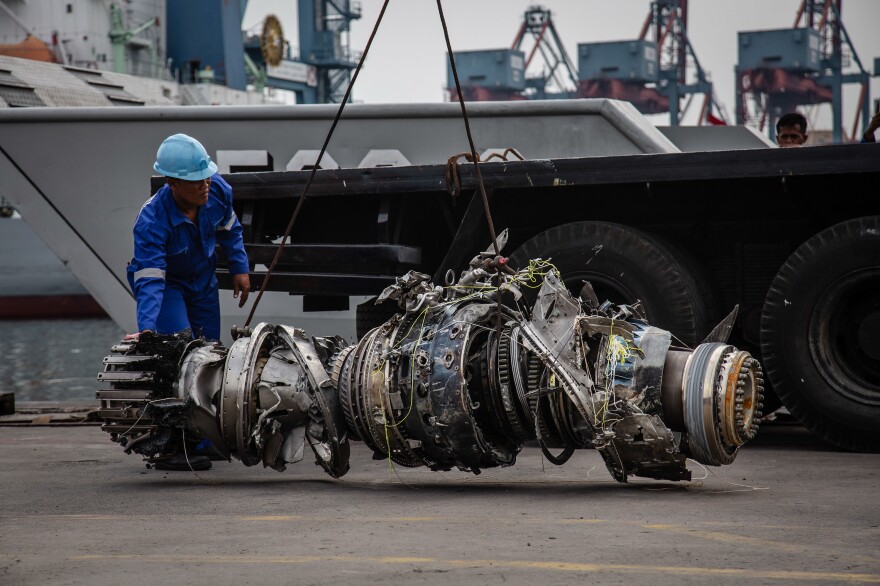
[345, 99]
[467, 128]
[302, 198]
[476, 162]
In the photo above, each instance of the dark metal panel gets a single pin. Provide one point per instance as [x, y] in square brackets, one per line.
[463, 246]
[315, 283]
[335, 254]
[720, 165]
[330, 182]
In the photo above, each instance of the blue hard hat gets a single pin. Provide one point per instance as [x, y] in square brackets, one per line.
[183, 157]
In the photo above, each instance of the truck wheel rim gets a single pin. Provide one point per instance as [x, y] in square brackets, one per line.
[844, 336]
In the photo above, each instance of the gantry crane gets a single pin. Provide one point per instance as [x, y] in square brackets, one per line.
[320, 71]
[653, 74]
[502, 74]
[781, 70]
[558, 78]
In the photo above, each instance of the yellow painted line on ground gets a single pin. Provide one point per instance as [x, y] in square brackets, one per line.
[322, 519]
[798, 576]
[740, 524]
[804, 549]
[687, 529]
[690, 529]
[727, 537]
[96, 517]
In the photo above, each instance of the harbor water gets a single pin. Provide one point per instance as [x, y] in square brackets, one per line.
[54, 360]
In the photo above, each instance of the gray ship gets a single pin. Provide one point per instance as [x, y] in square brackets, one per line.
[87, 224]
[93, 54]
[33, 282]
[100, 54]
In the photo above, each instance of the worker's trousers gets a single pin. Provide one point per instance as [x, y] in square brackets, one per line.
[193, 304]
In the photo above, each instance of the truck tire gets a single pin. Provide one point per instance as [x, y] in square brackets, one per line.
[820, 334]
[623, 265]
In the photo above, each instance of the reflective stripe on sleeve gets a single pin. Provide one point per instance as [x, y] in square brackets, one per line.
[145, 273]
[229, 224]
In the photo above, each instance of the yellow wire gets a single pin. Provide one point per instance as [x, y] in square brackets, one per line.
[423, 315]
[617, 350]
[534, 269]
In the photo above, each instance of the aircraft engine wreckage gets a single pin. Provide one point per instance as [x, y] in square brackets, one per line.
[456, 379]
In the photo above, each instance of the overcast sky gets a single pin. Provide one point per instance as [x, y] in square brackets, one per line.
[407, 60]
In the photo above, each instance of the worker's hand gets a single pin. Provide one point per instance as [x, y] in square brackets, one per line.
[135, 336]
[241, 284]
[875, 123]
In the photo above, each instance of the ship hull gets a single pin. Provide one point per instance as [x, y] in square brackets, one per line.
[34, 283]
[79, 175]
[49, 307]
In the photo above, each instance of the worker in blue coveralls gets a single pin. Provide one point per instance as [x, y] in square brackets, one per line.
[172, 272]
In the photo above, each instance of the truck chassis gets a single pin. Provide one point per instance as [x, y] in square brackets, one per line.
[788, 235]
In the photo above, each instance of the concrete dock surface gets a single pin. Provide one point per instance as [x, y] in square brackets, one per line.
[74, 509]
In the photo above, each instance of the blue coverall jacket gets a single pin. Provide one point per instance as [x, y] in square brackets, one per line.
[172, 272]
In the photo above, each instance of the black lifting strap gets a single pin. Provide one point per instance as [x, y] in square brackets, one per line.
[316, 166]
[467, 128]
[351, 83]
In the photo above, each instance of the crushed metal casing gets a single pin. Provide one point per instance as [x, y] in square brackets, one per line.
[457, 379]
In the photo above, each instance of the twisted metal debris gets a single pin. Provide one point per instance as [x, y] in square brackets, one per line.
[454, 380]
